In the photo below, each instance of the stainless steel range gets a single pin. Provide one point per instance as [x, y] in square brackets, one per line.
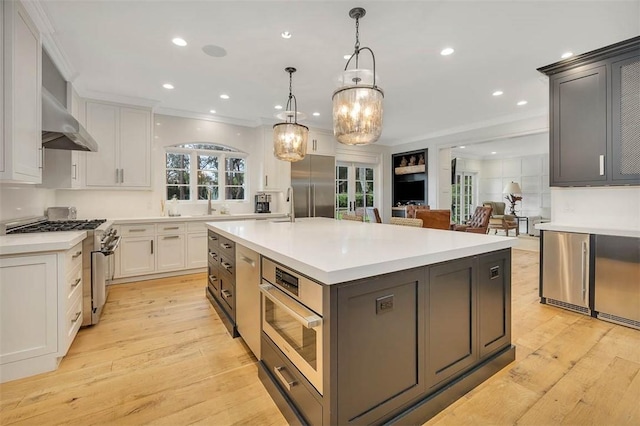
[97, 254]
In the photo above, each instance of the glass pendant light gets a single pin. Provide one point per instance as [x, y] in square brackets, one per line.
[357, 105]
[289, 137]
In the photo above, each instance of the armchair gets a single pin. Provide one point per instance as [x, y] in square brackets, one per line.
[499, 220]
[478, 223]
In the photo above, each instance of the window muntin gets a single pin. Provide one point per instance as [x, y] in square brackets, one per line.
[192, 170]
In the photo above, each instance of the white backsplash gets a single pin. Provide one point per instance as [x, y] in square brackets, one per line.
[611, 207]
[18, 201]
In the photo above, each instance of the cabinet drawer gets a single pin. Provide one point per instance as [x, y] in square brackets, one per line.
[227, 247]
[73, 286]
[196, 227]
[138, 230]
[72, 322]
[170, 228]
[73, 257]
[228, 293]
[213, 279]
[227, 266]
[212, 241]
[213, 257]
[291, 382]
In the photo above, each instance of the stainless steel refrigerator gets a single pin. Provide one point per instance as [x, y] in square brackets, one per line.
[313, 181]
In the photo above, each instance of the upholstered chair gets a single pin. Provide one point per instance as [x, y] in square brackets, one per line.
[499, 220]
[437, 219]
[478, 223]
[411, 210]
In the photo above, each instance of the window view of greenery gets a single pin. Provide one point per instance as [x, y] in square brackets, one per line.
[462, 197]
[361, 182]
[195, 170]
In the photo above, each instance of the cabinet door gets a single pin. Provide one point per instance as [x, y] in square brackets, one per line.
[380, 344]
[321, 143]
[451, 313]
[276, 174]
[579, 137]
[28, 307]
[171, 252]
[494, 302]
[197, 250]
[22, 155]
[134, 148]
[137, 256]
[103, 125]
[625, 123]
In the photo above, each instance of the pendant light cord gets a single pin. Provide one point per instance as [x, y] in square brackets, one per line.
[357, 45]
[356, 53]
[295, 101]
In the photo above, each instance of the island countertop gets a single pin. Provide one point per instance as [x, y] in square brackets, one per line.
[334, 251]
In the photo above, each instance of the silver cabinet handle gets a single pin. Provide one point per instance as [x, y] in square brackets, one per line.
[117, 175]
[226, 266]
[41, 165]
[227, 246]
[213, 278]
[76, 317]
[78, 253]
[286, 383]
[172, 237]
[226, 294]
[249, 261]
[171, 227]
[138, 230]
[266, 180]
[213, 255]
[212, 238]
[75, 171]
[151, 246]
[583, 265]
[602, 165]
[314, 200]
[75, 284]
[297, 311]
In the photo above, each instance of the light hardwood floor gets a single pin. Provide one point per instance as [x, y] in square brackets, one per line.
[160, 355]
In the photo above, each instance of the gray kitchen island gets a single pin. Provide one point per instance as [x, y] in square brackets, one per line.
[369, 323]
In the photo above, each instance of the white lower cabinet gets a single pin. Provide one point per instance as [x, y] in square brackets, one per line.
[40, 310]
[136, 256]
[171, 252]
[197, 250]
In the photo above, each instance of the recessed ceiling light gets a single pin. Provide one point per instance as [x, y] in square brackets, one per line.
[521, 103]
[168, 86]
[316, 114]
[493, 153]
[462, 147]
[285, 34]
[179, 42]
[224, 96]
[212, 111]
[278, 107]
[347, 57]
[566, 55]
[498, 93]
[157, 124]
[447, 51]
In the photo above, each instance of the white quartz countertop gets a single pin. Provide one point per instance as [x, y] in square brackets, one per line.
[40, 242]
[333, 251]
[195, 218]
[585, 229]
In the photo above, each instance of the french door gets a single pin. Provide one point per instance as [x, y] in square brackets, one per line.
[463, 196]
[355, 183]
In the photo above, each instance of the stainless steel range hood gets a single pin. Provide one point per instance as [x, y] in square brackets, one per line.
[60, 130]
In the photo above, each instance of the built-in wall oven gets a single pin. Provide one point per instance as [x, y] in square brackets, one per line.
[292, 319]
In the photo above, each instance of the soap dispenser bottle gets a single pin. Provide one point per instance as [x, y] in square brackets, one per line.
[173, 206]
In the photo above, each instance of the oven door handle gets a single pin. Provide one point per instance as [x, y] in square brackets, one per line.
[107, 251]
[301, 314]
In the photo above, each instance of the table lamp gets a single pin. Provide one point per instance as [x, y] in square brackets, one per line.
[514, 191]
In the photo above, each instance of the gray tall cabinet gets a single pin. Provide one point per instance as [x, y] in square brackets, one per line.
[594, 110]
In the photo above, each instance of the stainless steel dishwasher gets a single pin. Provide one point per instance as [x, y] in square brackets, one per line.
[565, 270]
[617, 279]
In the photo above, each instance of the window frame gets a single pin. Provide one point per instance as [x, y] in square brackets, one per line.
[222, 155]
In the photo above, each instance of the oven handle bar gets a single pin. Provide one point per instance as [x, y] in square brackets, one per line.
[107, 251]
[301, 314]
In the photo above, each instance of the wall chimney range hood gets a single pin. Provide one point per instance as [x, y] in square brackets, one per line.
[60, 130]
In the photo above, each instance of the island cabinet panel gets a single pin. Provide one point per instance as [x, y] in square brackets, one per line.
[451, 313]
[494, 302]
[379, 363]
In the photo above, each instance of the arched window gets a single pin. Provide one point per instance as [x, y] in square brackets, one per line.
[194, 169]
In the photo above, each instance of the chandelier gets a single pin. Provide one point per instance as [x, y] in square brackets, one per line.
[357, 105]
[289, 137]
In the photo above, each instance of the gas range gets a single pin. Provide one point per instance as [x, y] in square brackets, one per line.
[57, 225]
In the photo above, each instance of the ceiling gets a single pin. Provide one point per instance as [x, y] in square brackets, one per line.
[123, 50]
[535, 144]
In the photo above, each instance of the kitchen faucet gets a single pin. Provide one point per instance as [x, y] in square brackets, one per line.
[210, 209]
[292, 215]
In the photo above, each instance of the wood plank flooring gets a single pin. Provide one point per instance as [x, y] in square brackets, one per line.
[160, 355]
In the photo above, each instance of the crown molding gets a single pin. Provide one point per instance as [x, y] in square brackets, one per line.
[119, 99]
[207, 117]
[38, 13]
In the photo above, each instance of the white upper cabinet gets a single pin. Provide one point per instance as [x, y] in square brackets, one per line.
[276, 174]
[21, 153]
[123, 134]
[321, 143]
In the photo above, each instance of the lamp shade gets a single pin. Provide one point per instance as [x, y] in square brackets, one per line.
[290, 141]
[512, 188]
[357, 114]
